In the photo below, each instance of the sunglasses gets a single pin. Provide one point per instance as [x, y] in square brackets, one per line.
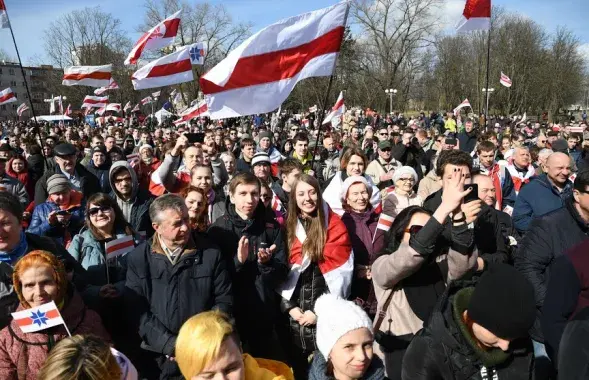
[94, 210]
[413, 229]
[385, 150]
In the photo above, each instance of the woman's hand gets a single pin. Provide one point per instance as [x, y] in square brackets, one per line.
[454, 192]
[296, 314]
[309, 318]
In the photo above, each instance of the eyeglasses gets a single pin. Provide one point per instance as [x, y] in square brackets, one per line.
[383, 134]
[407, 179]
[124, 179]
[94, 210]
[413, 229]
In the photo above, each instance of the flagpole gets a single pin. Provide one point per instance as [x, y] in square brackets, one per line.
[488, 72]
[324, 105]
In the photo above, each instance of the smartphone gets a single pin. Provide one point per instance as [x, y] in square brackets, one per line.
[62, 212]
[452, 142]
[473, 195]
[263, 246]
[195, 137]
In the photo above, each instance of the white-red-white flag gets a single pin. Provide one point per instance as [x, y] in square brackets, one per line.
[4, 24]
[21, 109]
[100, 111]
[7, 96]
[136, 108]
[476, 16]
[127, 106]
[465, 103]
[119, 247]
[60, 104]
[199, 110]
[146, 100]
[171, 69]
[115, 107]
[95, 101]
[93, 76]
[337, 110]
[156, 94]
[38, 318]
[111, 86]
[68, 110]
[505, 80]
[160, 36]
[259, 75]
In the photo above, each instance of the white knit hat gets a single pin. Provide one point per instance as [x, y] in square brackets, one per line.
[260, 157]
[145, 146]
[404, 170]
[352, 180]
[335, 318]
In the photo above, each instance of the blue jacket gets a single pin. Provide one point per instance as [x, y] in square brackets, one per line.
[537, 198]
[40, 221]
[90, 253]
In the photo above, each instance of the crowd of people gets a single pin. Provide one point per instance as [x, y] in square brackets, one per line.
[393, 247]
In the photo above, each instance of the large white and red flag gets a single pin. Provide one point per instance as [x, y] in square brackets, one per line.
[21, 109]
[38, 318]
[465, 103]
[100, 111]
[199, 110]
[111, 86]
[171, 69]
[136, 108]
[337, 110]
[476, 16]
[127, 106]
[68, 110]
[505, 80]
[4, 24]
[115, 107]
[146, 100]
[259, 75]
[7, 96]
[95, 101]
[160, 36]
[93, 76]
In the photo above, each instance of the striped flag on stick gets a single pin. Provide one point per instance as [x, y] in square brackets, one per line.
[119, 247]
[39, 318]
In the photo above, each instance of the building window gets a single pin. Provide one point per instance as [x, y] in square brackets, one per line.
[13, 83]
[11, 71]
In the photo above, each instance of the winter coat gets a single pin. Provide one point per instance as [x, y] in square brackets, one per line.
[242, 166]
[413, 156]
[254, 284]
[429, 184]
[318, 370]
[88, 182]
[162, 296]
[467, 141]
[537, 198]
[101, 173]
[27, 177]
[445, 349]
[367, 242]
[573, 355]
[394, 203]
[140, 199]
[548, 237]
[22, 354]
[92, 255]
[378, 167]
[63, 234]
[15, 187]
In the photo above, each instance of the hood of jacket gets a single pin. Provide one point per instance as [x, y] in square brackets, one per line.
[318, 369]
[134, 181]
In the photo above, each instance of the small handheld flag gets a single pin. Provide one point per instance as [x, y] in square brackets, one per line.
[119, 247]
[39, 318]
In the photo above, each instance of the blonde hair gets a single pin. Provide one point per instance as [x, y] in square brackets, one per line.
[80, 357]
[200, 339]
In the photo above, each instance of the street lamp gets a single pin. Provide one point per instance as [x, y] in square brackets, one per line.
[488, 91]
[390, 92]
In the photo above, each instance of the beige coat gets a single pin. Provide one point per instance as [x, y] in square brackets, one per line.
[394, 203]
[429, 185]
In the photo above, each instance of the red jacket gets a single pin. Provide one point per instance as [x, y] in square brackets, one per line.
[22, 354]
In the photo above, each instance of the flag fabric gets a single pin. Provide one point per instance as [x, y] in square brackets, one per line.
[385, 222]
[198, 53]
[4, 24]
[337, 110]
[115, 107]
[577, 129]
[127, 106]
[177, 98]
[22, 108]
[476, 16]
[160, 36]
[146, 100]
[95, 101]
[111, 86]
[313, 108]
[38, 318]
[199, 110]
[156, 94]
[93, 76]
[68, 110]
[259, 75]
[101, 111]
[465, 103]
[171, 69]
[136, 108]
[119, 247]
[7, 96]
[505, 80]
[60, 103]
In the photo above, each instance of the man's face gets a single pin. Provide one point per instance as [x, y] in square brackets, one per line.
[486, 190]
[246, 198]
[123, 182]
[13, 142]
[174, 227]
[208, 139]
[552, 139]
[249, 151]
[396, 129]
[147, 156]
[262, 171]
[468, 126]
[355, 133]
[192, 156]
[158, 133]
[486, 158]
[144, 138]
[407, 138]
[50, 142]
[9, 231]
[449, 170]
[383, 134]
[301, 148]
[581, 197]
[541, 142]
[292, 177]
[385, 154]
[572, 141]
[98, 158]
[265, 143]
[558, 168]
[229, 163]
[66, 163]
[328, 144]
[233, 135]
[135, 133]
[522, 158]
[109, 143]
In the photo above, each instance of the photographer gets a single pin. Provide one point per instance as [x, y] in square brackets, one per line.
[410, 153]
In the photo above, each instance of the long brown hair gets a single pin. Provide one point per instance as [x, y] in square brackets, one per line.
[201, 222]
[101, 199]
[317, 230]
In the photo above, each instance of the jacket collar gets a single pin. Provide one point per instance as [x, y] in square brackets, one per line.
[156, 246]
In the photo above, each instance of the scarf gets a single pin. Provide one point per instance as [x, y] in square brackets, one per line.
[211, 202]
[19, 251]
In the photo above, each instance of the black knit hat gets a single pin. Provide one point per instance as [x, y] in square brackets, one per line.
[503, 302]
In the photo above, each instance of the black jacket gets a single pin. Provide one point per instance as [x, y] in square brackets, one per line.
[413, 156]
[241, 166]
[441, 349]
[162, 296]
[548, 237]
[88, 182]
[101, 173]
[573, 355]
[254, 284]
[468, 141]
